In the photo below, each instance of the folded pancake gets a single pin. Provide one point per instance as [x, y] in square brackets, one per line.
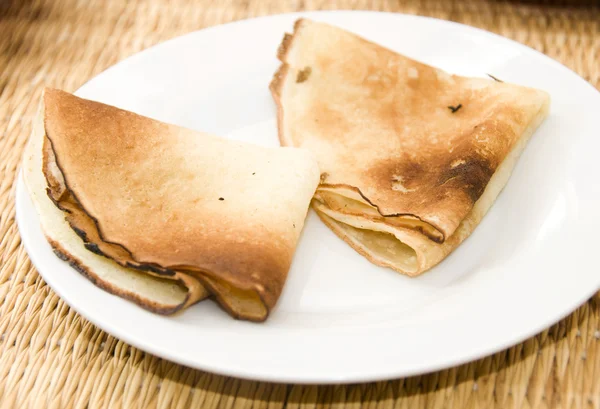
[164, 295]
[412, 157]
[177, 203]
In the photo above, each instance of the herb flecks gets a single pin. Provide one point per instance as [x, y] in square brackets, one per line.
[303, 74]
[253, 173]
[221, 198]
[494, 78]
[454, 109]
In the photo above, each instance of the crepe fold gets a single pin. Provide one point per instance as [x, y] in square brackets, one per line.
[209, 215]
[412, 157]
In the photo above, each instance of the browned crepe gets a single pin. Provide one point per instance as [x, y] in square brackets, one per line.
[161, 294]
[175, 202]
[86, 229]
[412, 157]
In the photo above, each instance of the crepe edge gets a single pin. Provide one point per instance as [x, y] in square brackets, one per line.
[81, 268]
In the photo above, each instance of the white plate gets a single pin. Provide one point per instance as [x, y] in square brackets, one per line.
[341, 319]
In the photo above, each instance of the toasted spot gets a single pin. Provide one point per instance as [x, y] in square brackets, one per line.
[403, 173]
[303, 74]
[471, 176]
[398, 186]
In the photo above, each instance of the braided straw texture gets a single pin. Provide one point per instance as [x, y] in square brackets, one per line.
[50, 357]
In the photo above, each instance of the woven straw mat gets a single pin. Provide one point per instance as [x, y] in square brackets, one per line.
[50, 357]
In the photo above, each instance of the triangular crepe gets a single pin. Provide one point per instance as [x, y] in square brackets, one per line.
[412, 157]
[175, 202]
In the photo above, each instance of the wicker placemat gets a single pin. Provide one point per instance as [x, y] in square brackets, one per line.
[51, 357]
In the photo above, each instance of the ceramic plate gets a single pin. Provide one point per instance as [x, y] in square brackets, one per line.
[340, 318]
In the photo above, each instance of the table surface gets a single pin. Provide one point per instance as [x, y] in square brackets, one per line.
[52, 357]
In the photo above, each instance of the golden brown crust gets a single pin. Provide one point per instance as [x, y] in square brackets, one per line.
[275, 87]
[86, 228]
[427, 252]
[412, 140]
[288, 39]
[84, 225]
[285, 44]
[158, 294]
[187, 201]
[265, 277]
[412, 157]
[280, 76]
[56, 187]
